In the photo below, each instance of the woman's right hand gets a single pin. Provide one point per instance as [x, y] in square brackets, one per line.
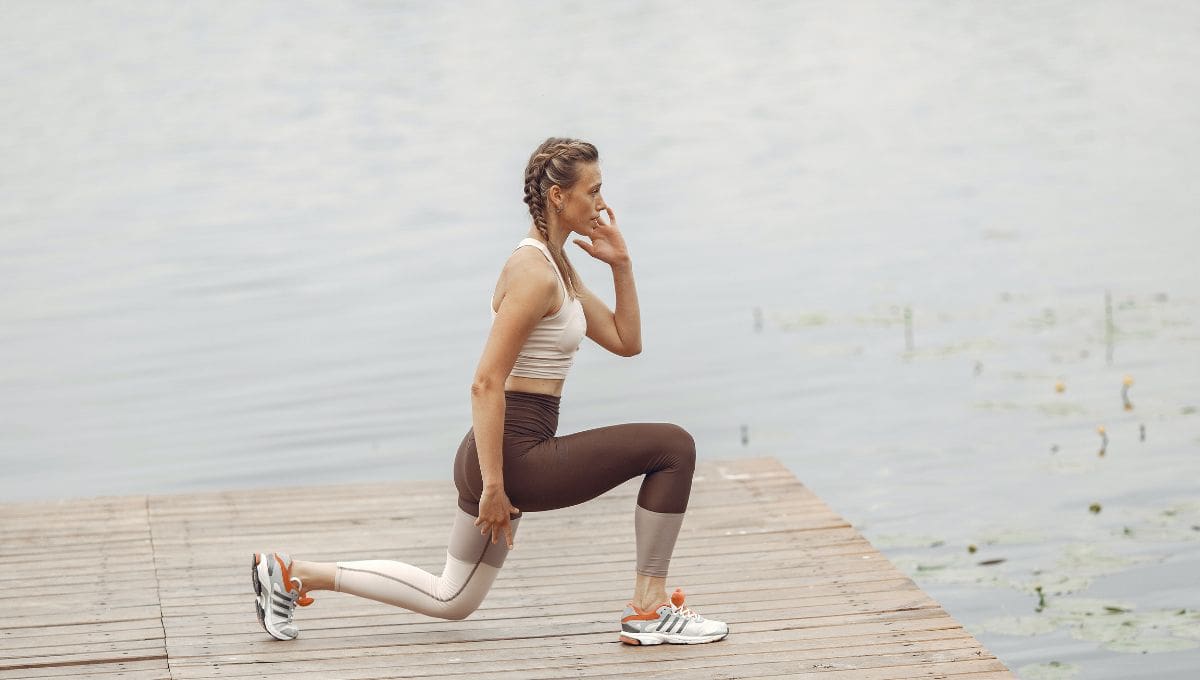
[608, 245]
[494, 513]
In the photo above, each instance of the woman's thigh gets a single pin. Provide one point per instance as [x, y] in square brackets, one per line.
[568, 470]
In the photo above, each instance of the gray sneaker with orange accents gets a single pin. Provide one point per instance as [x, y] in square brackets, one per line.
[278, 593]
[670, 622]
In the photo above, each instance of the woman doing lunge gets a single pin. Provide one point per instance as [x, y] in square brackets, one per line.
[511, 460]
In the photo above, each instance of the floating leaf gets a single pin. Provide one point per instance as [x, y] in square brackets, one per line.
[1055, 670]
[1150, 645]
[1018, 625]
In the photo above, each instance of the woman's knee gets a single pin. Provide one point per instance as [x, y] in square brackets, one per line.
[460, 609]
[681, 445]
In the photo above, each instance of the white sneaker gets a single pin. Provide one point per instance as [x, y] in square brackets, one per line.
[278, 593]
[670, 622]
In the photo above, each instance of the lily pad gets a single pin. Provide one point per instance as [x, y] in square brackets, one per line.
[1054, 670]
[1061, 408]
[1114, 625]
[794, 320]
[1018, 625]
[1151, 645]
[948, 569]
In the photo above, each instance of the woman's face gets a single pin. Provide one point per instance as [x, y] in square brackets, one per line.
[583, 204]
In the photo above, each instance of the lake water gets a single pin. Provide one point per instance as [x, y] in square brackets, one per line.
[253, 246]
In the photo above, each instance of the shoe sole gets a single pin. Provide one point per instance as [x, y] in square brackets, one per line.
[261, 593]
[664, 638]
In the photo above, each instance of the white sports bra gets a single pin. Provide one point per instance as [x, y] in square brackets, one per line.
[550, 349]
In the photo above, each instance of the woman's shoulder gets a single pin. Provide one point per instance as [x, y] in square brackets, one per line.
[528, 263]
[527, 273]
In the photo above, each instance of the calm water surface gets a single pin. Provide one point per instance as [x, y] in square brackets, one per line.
[254, 247]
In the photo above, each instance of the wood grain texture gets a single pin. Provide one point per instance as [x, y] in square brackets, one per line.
[157, 587]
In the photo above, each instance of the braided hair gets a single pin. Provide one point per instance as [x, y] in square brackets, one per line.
[555, 161]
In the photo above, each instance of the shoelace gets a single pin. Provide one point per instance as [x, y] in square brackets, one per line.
[685, 612]
[679, 608]
[301, 599]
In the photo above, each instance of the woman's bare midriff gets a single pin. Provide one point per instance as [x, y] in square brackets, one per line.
[550, 386]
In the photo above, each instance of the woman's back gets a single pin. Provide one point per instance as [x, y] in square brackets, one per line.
[549, 350]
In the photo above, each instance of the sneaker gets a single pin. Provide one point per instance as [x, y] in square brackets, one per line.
[671, 622]
[278, 594]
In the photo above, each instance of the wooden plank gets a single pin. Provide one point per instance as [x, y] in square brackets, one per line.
[342, 642]
[595, 658]
[148, 669]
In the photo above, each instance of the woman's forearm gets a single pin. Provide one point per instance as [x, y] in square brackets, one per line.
[627, 316]
[487, 418]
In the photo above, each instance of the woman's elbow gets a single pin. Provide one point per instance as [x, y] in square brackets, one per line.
[483, 385]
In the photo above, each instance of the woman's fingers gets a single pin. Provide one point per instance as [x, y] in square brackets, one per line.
[497, 530]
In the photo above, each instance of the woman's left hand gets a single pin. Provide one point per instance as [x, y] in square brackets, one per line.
[607, 244]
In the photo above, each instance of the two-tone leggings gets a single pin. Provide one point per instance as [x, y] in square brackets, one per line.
[541, 472]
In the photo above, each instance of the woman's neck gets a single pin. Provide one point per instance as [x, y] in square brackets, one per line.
[557, 238]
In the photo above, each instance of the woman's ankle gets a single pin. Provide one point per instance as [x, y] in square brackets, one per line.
[649, 591]
[651, 603]
[314, 575]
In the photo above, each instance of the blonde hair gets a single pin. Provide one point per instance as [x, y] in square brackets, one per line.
[555, 161]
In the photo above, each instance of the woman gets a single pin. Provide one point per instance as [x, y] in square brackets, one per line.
[511, 460]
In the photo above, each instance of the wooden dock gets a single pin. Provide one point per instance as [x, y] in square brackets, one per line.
[159, 587]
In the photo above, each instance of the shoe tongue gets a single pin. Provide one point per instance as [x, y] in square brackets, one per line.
[677, 597]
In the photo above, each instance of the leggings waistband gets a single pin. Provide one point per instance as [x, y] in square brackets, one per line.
[527, 414]
[548, 399]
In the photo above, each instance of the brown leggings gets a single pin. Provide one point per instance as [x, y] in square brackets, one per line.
[545, 472]
[541, 472]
